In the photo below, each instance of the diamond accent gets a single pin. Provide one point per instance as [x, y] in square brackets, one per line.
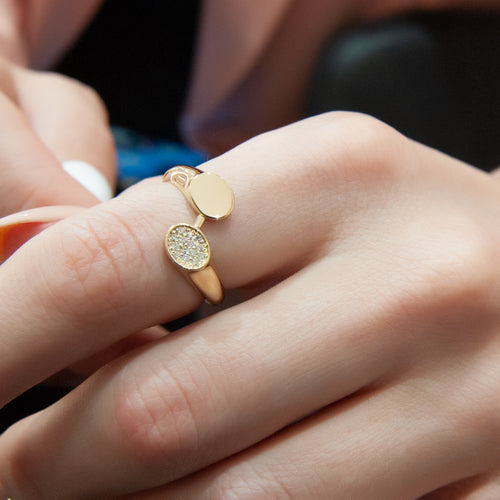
[187, 246]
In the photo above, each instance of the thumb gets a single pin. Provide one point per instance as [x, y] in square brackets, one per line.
[70, 119]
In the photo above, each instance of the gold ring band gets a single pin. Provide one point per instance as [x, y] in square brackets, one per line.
[186, 245]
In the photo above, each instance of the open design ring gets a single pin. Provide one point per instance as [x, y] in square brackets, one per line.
[186, 245]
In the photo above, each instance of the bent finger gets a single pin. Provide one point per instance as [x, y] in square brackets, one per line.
[480, 487]
[92, 364]
[376, 444]
[31, 175]
[69, 118]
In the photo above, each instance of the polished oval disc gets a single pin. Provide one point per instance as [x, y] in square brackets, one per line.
[212, 195]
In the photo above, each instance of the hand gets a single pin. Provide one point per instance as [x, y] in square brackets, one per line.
[370, 370]
[46, 119]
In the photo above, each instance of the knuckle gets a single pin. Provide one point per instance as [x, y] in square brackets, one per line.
[449, 276]
[461, 280]
[248, 483]
[336, 152]
[157, 415]
[17, 479]
[92, 98]
[76, 89]
[94, 255]
[351, 151]
[439, 288]
[361, 147]
[77, 98]
[91, 107]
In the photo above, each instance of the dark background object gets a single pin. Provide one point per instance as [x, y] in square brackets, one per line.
[31, 401]
[137, 55]
[434, 77]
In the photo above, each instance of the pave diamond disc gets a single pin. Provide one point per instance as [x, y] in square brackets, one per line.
[187, 247]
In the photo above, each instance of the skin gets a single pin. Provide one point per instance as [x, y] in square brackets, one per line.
[46, 119]
[401, 383]
[366, 366]
[35, 33]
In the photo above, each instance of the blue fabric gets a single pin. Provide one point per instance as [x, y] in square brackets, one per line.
[140, 157]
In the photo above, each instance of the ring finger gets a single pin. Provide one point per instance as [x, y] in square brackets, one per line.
[174, 407]
[82, 275]
[376, 444]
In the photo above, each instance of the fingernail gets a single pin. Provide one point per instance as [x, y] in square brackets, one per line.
[42, 214]
[89, 177]
[17, 229]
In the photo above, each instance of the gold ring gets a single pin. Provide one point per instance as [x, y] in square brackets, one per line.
[186, 245]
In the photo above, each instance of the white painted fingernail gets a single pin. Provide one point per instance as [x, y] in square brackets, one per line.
[89, 177]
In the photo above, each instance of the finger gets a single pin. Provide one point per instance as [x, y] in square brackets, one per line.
[176, 408]
[275, 253]
[17, 229]
[85, 368]
[92, 364]
[377, 444]
[69, 117]
[97, 263]
[85, 271]
[482, 487]
[31, 175]
[237, 378]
